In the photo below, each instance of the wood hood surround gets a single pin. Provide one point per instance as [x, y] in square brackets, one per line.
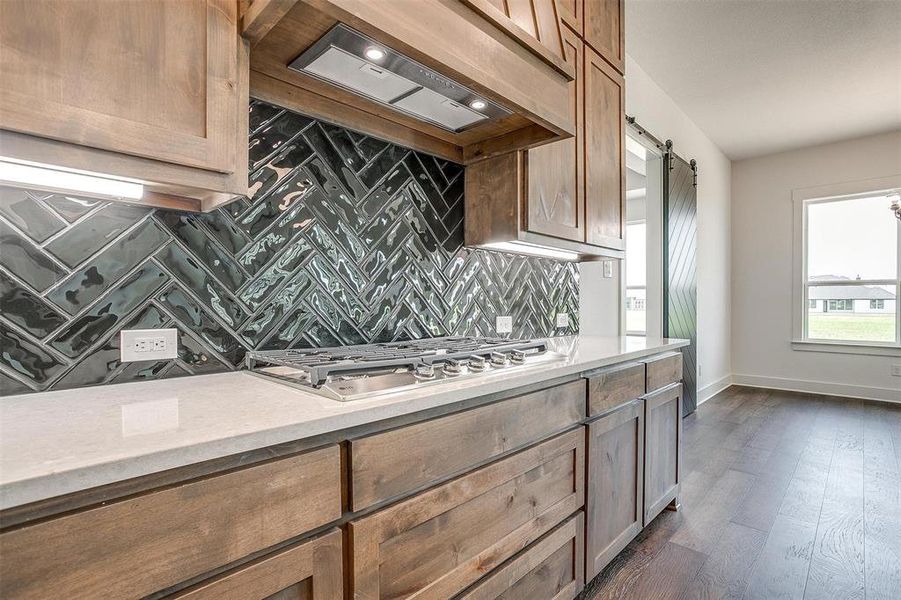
[514, 59]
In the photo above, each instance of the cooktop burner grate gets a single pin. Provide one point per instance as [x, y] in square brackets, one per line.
[321, 363]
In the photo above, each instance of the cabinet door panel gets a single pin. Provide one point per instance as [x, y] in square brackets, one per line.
[436, 544]
[155, 78]
[605, 178]
[615, 456]
[310, 570]
[663, 449]
[555, 195]
[603, 23]
[571, 13]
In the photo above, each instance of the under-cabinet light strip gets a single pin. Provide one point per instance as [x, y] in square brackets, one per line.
[47, 178]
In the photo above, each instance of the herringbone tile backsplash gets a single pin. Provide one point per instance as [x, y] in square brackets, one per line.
[347, 239]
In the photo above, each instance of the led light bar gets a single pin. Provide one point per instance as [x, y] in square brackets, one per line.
[531, 249]
[48, 178]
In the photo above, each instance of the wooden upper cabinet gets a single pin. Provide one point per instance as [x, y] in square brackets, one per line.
[555, 196]
[571, 13]
[162, 82]
[604, 130]
[603, 30]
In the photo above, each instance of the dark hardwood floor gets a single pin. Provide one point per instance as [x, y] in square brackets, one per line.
[784, 495]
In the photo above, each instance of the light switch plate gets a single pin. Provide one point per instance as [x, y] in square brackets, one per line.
[562, 320]
[896, 370]
[503, 324]
[147, 344]
[608, 269]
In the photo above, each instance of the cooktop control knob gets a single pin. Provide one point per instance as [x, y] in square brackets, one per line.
[498, 359]
[477, 363]
[452, 367]
[424, 372]
[518, 357]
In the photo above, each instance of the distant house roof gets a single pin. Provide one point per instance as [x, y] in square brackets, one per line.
[845, 292]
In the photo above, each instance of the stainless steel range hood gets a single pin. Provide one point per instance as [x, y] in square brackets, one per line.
[351, 60]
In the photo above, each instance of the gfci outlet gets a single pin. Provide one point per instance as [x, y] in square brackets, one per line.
[147, 344]
[896, 370]
[503, 324]
[562, 320]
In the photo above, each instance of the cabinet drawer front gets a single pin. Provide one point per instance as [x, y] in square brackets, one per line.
[137, 546]
[614, 386]
[310, 570]
[436, 544]
[389, 464]
[551, 568]
[615, 456]
[663, 370]
[663, 449]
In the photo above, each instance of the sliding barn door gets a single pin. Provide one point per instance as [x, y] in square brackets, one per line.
[680, 295]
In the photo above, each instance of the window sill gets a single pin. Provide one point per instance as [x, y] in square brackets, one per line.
[871, 349]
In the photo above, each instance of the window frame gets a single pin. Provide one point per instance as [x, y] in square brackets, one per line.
[803, 198]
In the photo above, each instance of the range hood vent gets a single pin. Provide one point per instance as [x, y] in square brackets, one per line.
[350, 60]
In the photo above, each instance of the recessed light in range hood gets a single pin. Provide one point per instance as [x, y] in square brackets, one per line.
[350, 60]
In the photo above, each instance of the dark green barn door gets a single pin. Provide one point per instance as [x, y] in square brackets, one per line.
[680, 294]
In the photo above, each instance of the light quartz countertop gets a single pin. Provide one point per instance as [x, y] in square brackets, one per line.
[55, 443]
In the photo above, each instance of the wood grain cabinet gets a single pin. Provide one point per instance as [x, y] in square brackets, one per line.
[550, 569]
[153, 90]
[663, 449]
[152, 541]
[401, 461]
[570, 194]
[610, 387]
[615, 459]
[603, 29]
[436, 544]
[309, 570]
[662, 370]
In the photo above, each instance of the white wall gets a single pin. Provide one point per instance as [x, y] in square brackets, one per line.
[599, 300]
[762, 269]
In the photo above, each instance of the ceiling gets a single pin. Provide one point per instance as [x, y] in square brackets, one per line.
[762, 76]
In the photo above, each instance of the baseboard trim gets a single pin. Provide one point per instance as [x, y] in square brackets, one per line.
[862, 392]
[712, 389]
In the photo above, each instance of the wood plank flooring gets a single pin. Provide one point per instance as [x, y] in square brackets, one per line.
[785, 496]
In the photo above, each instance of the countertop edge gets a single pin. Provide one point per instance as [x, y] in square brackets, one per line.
[26, 491]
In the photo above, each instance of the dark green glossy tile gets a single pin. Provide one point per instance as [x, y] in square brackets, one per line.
[26, 261]
[87, 237]
[26, 310]
[28, 214]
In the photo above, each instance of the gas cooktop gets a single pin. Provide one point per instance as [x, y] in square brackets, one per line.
[354, 372]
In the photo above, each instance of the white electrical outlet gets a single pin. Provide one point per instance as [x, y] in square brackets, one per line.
[147, 344]
[503, 324]
[608, 269]
[562, 320]
[896, 370]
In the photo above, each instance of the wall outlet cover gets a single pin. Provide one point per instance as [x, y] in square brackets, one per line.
[896, 370]
[608, 269]
[147, 344]
[562, 320]
[503, 324]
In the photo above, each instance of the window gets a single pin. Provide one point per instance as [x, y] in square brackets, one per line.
[841, 305]
[636, 280]
[849, 281]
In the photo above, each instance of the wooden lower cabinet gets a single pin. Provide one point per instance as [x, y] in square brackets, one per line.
[663, 370]
[400, 461]
[614, 509]
[613, 386]
[550, 569]
[309, 570]
[149, 542]
[436, 544]
[663, 449]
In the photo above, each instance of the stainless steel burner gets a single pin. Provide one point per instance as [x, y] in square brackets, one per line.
[354, 372]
